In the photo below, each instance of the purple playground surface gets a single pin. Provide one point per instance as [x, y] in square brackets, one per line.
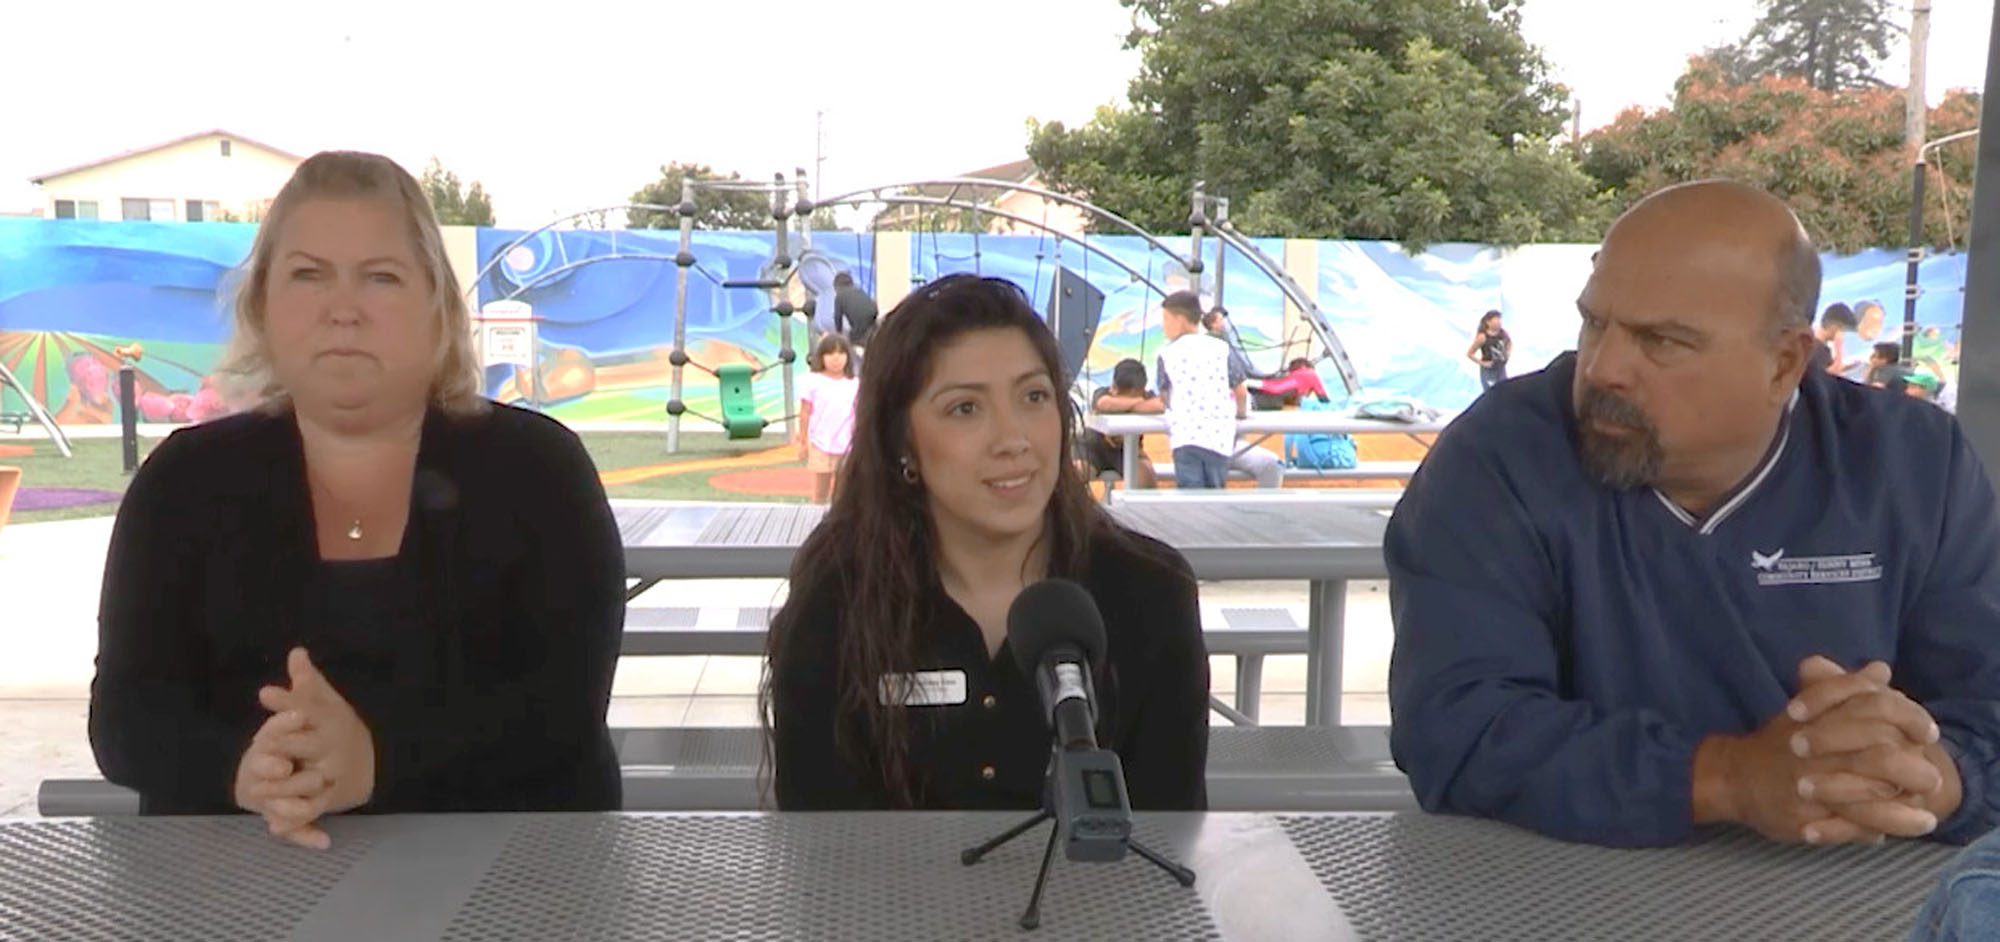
[53, 498]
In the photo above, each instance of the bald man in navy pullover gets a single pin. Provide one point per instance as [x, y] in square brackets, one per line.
[1678, 578]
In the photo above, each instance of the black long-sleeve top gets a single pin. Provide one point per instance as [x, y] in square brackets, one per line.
[990, 750]
[480, 657]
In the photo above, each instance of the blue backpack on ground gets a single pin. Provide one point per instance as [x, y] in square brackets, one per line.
[1319, 451]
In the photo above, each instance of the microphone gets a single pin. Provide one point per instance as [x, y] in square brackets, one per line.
[1056, 634]
[434, 492]
[434, 498]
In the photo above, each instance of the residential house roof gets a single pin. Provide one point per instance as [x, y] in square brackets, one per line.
[127, 155]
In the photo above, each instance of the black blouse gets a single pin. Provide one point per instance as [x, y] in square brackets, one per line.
[367, 624]
[991, 750]
[480, 657]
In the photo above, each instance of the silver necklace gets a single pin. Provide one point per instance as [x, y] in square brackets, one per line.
[354, 532]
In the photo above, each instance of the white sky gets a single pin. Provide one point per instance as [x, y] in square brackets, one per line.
[576, 104]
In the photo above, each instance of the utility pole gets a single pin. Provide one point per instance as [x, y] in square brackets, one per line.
[819, 145]
[1917, 108]
[1576, 126]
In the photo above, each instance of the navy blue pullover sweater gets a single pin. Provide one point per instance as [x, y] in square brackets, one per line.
[1562, 648]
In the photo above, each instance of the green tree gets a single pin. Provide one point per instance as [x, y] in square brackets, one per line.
[823, 220]
[714, 208]
[921, 219]
[1411, 120]
[1835, 156]
[962, 218]
[596, 219]
[454, 204]
[1831, 44]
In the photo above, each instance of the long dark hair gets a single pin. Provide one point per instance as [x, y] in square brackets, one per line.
[1488, 318]
[876, 550]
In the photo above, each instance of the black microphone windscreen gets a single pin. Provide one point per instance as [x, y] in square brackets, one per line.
[435, 492]
[1054, 612]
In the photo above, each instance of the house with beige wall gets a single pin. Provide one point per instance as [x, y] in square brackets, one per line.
[205, 177]
[1058, 217]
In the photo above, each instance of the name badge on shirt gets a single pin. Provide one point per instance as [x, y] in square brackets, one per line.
[923, 688]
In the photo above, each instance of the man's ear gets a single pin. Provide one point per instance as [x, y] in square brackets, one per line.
[1792, 356]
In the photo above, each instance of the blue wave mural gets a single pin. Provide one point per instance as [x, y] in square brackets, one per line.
[1130, 323]
[71, 292]
[605, 303]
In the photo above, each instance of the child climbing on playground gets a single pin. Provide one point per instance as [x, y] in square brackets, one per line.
[826, 412]
[1299, 380]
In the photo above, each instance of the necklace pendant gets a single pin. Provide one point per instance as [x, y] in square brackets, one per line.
[354, 532]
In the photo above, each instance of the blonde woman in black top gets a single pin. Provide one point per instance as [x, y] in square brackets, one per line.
[959, 491]
[375, 590]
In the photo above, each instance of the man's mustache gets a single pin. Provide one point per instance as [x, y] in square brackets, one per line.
[1609, 408]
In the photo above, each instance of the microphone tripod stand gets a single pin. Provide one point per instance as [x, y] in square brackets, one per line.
[1032, 916]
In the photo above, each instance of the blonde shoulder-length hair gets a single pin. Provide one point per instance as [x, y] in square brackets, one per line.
[455, 379]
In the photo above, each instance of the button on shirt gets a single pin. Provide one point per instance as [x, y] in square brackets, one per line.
[989, 748]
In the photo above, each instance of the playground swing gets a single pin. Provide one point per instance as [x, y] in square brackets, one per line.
[978, 257]
[865, 270]
[739, 401]
[1041, 241]
[736, 397]
[938, 257]
[737, 384]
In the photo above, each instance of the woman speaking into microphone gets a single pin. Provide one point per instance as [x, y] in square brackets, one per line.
[888, 684]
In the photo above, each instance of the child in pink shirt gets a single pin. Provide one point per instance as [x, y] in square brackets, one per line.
[826, 412]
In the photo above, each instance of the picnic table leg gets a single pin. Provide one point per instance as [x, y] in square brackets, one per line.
[1230, 713]
[1131, 460]
[639, 588]
[1249, 684]
[1325, 642]
[1245, 442]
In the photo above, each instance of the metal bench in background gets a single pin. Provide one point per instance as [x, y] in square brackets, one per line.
[672, 630]
[1265, 768]
[1364, 471]
[1322, 544]
[1360, 498]
[1247, 634]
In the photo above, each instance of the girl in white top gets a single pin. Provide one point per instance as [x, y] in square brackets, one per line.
[826, 412]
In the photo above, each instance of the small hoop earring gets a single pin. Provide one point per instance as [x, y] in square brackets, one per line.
[909, 471]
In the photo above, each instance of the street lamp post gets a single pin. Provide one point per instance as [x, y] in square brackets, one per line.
[1916, 256]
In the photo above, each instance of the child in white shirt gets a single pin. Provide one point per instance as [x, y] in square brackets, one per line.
[1205, 394]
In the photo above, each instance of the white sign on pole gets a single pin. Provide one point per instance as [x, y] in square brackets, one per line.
[507, 334]
[509, 344]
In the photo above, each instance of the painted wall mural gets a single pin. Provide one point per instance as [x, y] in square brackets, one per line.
[1405, 320]
[604, 303]
[72, 292]
[1129, 325]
